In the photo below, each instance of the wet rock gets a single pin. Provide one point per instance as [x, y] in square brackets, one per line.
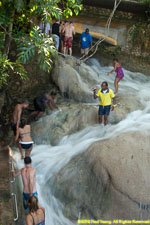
[67, 76]
[74, 117]
[82, 194]
[108, 181]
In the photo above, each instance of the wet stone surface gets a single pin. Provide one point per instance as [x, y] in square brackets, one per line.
[6, 210]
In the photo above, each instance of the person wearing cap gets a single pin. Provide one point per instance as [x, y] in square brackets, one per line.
[106, 96]
[85, 42]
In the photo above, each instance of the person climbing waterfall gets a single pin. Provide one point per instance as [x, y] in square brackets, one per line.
[106, 96]
[119, 74]
[28, 175]
[16, 120]
[36, 212]
[23, 133]
[40, 103]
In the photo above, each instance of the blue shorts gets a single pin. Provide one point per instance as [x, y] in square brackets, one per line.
[26, 197]
[104, 110]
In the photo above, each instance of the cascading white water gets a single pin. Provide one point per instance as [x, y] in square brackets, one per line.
[49, 160]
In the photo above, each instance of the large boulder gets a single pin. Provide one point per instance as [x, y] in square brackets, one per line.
[109, 181]
[73, 81]
[127, 162]
[74, 117]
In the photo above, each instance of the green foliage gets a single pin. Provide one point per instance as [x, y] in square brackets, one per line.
[144, 1]
[55, 8]
[37, 43]
[16, 24]
[7, 68]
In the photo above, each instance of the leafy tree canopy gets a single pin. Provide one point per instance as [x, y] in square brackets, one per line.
[144, 1]
[16, 24]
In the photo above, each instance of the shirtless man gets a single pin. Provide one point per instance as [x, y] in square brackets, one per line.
[28, 175]
[16, 120]
[69, 32]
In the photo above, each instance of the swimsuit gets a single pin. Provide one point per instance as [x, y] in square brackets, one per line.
[26, 197]
[42, 222]
[39, 103]
[26, 145]
[119, 72]
[62, 37]
[68, 42]
[13, 127]
[24, 133]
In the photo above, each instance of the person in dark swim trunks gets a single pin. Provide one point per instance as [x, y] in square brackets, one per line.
[23, 134]
[17, 115]
[106, 96]
[28, 175]
[40, 103]
[119, 74]
[36, 214]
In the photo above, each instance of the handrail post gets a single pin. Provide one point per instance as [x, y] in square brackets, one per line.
[16, 207]
[12, 180]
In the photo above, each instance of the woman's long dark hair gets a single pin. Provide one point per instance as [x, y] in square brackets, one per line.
[23, 122]
[33, 204]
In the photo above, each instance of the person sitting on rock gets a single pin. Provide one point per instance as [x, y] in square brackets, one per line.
[28, 175]
[106, 96]
[23, 133]
[40, 103]
[36, 212]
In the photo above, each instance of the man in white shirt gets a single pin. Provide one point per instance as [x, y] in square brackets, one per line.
[45, 28]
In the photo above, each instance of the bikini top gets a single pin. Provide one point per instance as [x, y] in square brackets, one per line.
[25, 133]
[42, 222]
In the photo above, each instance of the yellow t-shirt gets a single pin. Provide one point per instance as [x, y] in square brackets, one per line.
[105, 99]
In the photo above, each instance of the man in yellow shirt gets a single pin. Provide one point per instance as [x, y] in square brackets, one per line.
[106, 96]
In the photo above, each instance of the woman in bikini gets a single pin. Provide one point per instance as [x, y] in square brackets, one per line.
[119, 74]
[36, 214]
[23, 134]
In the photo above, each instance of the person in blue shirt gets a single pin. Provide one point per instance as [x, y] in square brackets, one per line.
[85, 42]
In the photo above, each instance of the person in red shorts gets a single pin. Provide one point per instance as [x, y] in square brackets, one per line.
[69, 31]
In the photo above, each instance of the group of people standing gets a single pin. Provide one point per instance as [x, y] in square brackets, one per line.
[22, 136]
[63, 33]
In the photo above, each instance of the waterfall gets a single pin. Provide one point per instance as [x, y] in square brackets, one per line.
[49, 160]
